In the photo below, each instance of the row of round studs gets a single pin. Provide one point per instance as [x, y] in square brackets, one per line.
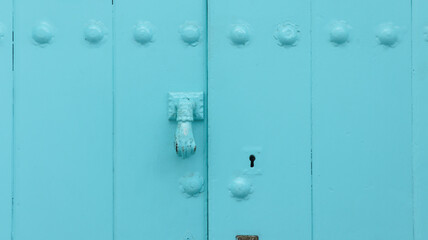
[287, 34]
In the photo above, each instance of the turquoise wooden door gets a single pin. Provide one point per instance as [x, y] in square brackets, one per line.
[197, 120]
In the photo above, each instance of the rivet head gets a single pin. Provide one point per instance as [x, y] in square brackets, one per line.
[339, 33]
[190, 33]
[143, 33]
[94, 32]
[240, 188]
[387, 35]
[192, 184]
[287, 34]
[42, 34]
[239, 34]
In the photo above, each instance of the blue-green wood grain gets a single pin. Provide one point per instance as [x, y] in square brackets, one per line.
[362, 123]
[259, 103]
[63, 123]
[149, 203]
[420, 117]
[6, 84]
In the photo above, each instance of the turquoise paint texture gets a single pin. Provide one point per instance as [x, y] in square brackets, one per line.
[6, 100]
[328, 102]
[362, 121]
[63, 122]
[259, 104]
[420, 118]
[154, 198]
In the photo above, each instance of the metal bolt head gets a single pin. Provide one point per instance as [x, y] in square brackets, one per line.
[42, 34]
[190, 33]
[240, 188]
[388, 35]
[287, 34]
[339, 33]
[239, 35]
[192, 184]
[94, 32]
[143, 33]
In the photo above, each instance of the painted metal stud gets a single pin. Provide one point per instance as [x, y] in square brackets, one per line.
[143, 33]
[95, 32]
[339, 33]
[387, 34]
[239, 34]
[192, 184]
[190, 33]
[286, 34]
[42, 34]
[240, 188]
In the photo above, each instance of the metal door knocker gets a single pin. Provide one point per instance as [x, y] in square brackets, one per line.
[185, 108]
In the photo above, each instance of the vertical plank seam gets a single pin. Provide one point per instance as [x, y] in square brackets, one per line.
[207, 115]
[12, 201]
[113, 119]
[311, 116]
[412, 119]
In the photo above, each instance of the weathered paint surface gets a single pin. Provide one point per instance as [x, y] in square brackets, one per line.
[6, 98]
[259, 104]
[63, 121]
[160, 47]
[362, 122]
[420, 117]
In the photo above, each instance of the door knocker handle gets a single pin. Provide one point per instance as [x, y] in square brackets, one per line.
[185, 108]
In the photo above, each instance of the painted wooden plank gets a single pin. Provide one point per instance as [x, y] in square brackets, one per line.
[259, 104]
[362, 103]
[420, 117]
[63, 120]
[6, 98]
[151, 60]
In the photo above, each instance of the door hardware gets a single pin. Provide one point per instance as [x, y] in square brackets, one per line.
[185, 108]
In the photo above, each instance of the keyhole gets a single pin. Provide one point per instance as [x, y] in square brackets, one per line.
[252, 159]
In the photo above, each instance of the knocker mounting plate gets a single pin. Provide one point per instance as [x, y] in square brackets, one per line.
[196, 97]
